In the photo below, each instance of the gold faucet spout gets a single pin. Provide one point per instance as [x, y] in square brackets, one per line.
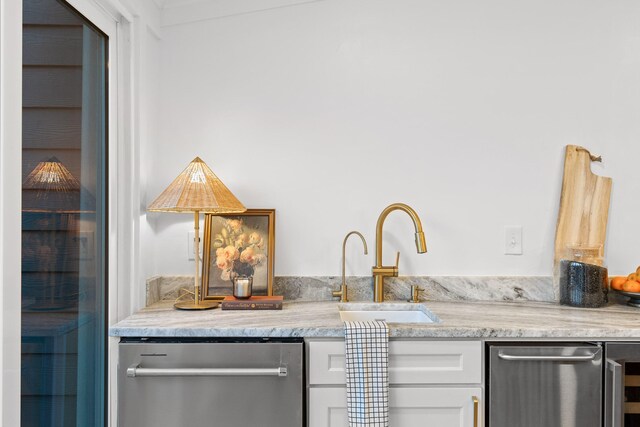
[342, 293]
[421, 242]
[379, 271]
[344, 246]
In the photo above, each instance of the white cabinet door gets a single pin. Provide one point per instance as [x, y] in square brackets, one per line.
[408, 407]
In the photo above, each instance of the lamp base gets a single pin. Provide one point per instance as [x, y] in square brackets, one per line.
[190, 305]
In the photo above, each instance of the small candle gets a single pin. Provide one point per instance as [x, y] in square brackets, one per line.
[242, 287]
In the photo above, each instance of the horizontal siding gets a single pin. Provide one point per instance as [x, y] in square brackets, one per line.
[52, 87]
[48, 12]
[51, 128]
[52, 46]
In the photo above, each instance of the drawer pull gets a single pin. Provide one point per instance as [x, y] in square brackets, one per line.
[136, 371]
[475, 410]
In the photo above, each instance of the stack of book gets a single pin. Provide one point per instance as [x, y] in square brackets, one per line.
[271, 302]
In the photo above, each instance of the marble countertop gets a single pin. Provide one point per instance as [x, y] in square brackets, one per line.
[457, 320]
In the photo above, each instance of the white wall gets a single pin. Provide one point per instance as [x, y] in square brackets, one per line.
[149, 136]
[146, 92]
[328, 111]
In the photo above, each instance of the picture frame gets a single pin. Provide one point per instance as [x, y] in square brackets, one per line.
[238, 244]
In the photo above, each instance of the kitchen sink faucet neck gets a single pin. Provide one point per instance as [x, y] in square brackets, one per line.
[379, 271]
[342, 293]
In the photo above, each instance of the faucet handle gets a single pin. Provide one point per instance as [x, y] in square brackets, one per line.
[415, 293]
[342, 293]
[397, 259]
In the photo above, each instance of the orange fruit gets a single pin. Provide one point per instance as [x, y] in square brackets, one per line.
[617, 282]
[632, 276]
[631, 286]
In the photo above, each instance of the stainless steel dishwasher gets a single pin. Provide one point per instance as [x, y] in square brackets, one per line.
[210, 382]
[555, 385]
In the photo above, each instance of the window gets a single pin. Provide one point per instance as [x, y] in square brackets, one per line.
[64, 258]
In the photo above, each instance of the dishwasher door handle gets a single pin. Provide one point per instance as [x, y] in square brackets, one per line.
[518, 358]
[136, 371]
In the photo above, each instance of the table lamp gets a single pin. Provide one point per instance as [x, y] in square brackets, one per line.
[51, 190]
[50, 187]
[197, 189]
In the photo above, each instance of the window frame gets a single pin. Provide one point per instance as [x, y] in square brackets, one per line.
[112, 18]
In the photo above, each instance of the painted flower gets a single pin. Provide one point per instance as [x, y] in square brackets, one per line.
[242, 240]
[255, 239]
[226, 256]
[231, 253]
[235, 225]
[248, 256]
[251, 257]
[223, 263]
[238, 252]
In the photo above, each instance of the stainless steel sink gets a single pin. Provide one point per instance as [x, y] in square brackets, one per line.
[390, 312]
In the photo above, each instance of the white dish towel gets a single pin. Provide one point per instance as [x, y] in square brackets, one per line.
[367, 372]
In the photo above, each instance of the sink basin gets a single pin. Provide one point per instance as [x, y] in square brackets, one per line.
[389, 312]
[391, 316]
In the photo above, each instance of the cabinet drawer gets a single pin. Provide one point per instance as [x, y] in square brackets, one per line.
[408, 407]
[410, 362]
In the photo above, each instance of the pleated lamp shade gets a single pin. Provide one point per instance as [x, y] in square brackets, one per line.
[197, 189]
[50, 187]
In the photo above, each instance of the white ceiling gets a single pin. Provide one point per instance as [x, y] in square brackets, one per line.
[177, 3]
[177, 12]
[159, 3]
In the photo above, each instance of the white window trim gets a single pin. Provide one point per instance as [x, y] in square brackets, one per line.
[10, 202]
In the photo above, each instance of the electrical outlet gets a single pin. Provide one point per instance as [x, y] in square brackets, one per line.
[191, 236]
[513, 240]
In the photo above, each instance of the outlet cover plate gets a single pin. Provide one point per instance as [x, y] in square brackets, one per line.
[513, 240]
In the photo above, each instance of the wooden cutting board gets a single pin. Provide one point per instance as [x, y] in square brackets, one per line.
[584, 203]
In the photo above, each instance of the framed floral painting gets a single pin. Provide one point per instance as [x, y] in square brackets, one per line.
[238, 245]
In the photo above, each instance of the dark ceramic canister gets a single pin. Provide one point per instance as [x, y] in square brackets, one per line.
[582, 284]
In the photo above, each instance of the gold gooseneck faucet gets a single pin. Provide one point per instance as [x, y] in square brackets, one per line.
[342, 293]
[380, 271]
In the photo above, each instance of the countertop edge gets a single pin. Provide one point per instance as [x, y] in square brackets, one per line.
[460, 320]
